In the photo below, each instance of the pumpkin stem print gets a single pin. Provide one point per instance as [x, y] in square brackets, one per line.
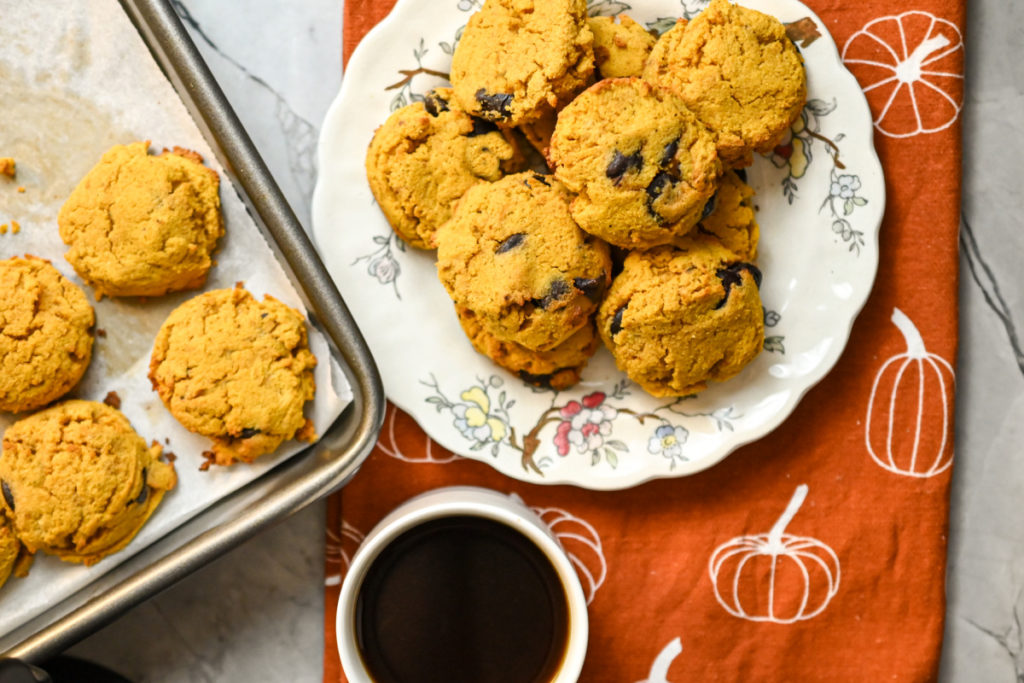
[910, 66]
[660, 667]
[775, 577]
[910, 410]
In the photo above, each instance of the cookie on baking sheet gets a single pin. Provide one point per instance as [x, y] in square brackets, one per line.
[143, 225]
[517, 58]
[675, 319]
[731, 220]
[641, 164]
[10, 549]
[558, 368]
[425, 156]
[620, 48]
[236, 370]
[513, 255]
[738, 71]
[45, 334]
[78, 482]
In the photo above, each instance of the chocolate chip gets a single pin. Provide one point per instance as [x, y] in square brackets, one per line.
[592, 288]
[481, 127]
[655, 189]
[113, 400]
[541, 179]
[8, 496]
[731, 276]
[543, 381]
[669, 153]
[510, 243]
[557, 290]
[434, 103]
[621, 163]
[616, 325]
[248, 433]
[145, 489]
[494, 106]
[709, 206]
[741, 173]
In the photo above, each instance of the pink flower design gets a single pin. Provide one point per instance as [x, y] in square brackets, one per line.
[584, 424]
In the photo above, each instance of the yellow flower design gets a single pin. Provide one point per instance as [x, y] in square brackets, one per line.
[473, 418]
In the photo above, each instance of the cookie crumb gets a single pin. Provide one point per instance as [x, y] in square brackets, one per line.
[7, 166]
[100, 332]
[3, 229]
[113, 400]
[21, 188]
[170, 457]
[15, 227]
[210, 457]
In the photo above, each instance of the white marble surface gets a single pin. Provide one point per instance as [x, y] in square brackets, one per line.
[256, 614]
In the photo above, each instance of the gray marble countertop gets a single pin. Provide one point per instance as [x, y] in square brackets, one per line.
[257, 614]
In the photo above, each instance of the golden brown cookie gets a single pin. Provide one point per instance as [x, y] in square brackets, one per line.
[558, 368]
[732, 221]
[517, 58]
[10, 549]
[425, 157]
[737, 70]
[513, 255]
[676, 319]
[236, 370]
[620, 49]
[45, 334]
[641, 164]
[142, 225]
[78, 482]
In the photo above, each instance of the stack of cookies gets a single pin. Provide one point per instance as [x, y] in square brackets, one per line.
[637, 227]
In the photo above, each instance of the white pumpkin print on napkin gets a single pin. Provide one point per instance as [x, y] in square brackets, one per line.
[660, 667]
[919, 377]
[747, 572]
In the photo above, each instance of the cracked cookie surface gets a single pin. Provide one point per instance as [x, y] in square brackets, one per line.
[425, 157]
[737, 70]
[513, 255]
[236, 370]
[10, 548]
[143, 225]
[641, 164]
[620, 48]
[45, 334]
[732, 220]
[517, 58]
[675, 319]
[78, 482]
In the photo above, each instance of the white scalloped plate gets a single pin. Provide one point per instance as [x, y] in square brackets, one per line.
[819, 252]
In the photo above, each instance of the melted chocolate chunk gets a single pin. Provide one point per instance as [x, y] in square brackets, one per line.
[248, 433]
[616, 325]
[481, 127]
[8, 496]
[592, 288]
[557, 290]
[741, 173]
[621, 163]
[732, 276]
[145, 489]
[494, 106]
[710, 206]
[669, 153]
[510, 242]
[657, 186]
[541, 179]
[434, 103]
[543, 381]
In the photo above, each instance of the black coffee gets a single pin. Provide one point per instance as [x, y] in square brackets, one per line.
[462, 599]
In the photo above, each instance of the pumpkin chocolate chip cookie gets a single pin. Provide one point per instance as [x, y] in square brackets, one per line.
[675, 319]
[78, 482]
[518, 58]
[513, 256]
[737, 70]
[620, 49]
[236, 370]
[641, 164]
[425, 157]
[557, 369]
[45, 334]
[143, 225]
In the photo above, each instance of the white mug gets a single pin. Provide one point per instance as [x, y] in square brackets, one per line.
[460, 501]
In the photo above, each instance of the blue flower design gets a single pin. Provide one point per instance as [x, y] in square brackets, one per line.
[668, 441]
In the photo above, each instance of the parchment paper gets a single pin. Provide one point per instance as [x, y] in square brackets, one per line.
[75, 79]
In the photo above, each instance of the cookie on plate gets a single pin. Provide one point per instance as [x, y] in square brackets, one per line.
[737, 70]
[517, 58]
[675, 319]
[513, 256]
[10, 549]
[236, 370]
[425, 156]
[731, 220]
[641, 164]
[620, 47]
[45, 334]
[558, 368]
[143, 225]
[78, 482]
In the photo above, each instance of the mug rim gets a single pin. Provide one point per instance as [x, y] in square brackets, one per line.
[455, 501]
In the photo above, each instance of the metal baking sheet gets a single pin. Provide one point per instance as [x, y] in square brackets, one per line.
[323, 467]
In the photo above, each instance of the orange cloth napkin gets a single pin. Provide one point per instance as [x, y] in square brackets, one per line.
[840, 515]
